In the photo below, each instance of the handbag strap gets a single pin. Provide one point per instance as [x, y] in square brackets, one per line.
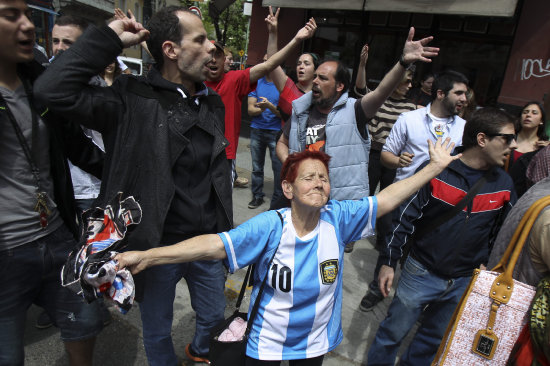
[510, 256]
[248, 275]
[30, 152]
[457, 208]
[504, 284]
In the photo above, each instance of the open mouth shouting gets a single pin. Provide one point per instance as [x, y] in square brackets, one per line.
[26, 44]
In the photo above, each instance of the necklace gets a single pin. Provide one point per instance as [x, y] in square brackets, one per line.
[41, 205]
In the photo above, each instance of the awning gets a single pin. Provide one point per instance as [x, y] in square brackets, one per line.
[502, 8]
[45, 10]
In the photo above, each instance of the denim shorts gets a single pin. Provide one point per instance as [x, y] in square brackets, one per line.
[31, 273]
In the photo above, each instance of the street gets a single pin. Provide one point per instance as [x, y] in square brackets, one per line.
[120, 343]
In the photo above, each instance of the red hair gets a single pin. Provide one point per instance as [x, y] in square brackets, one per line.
[289, 171]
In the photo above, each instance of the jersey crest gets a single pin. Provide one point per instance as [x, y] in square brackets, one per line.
[329, 271]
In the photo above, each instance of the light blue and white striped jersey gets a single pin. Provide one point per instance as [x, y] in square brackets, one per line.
[300, 310]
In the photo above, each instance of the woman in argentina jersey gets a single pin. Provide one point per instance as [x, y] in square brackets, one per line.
[299, 317]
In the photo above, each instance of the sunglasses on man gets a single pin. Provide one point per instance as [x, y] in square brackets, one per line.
[507, 136]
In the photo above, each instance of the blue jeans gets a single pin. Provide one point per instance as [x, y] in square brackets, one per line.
[206, 282]
[417, 288]
[30, 274]
[260, 140]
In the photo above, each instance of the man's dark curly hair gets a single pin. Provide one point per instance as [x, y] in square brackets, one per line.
[164, 26]
[488, 120]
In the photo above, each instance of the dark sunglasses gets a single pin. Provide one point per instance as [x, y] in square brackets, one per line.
[507, 136]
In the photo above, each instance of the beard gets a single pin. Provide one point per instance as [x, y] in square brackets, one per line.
[450, 107]
[325, 102]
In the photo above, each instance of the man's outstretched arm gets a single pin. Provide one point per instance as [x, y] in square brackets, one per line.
[361, 79]
[440, 157]
[277, 75]
[64, 87]
[412, 51]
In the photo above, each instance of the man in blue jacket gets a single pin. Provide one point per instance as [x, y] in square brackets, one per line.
[442, 258]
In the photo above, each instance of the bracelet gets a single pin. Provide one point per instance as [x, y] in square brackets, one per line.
[403, 63]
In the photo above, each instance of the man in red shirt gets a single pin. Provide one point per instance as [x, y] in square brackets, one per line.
[233, 86]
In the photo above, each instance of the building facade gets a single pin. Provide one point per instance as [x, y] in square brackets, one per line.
[504, 49]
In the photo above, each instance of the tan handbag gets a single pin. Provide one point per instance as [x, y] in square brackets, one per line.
[493, 309]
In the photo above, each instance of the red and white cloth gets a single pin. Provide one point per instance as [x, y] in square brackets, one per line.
[90, 270]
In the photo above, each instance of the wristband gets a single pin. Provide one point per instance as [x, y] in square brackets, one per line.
[403, 63]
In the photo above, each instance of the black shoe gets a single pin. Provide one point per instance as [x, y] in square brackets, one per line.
[349, 247]
[43, 321]
[369, 301]
[256, 202]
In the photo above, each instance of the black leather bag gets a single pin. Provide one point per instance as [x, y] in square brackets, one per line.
[227, 353]
[231, 353]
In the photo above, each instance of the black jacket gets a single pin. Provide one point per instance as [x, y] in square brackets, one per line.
[66, 141]
[143, 130]
[458, 246]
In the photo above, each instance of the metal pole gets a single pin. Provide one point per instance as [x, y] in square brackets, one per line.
[248, 12]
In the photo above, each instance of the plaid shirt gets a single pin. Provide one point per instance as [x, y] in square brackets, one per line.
[539, 167]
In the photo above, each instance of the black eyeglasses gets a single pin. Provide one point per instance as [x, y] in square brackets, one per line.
[507, 136]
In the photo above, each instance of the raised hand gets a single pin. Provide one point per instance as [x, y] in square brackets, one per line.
[307, 30]
[364, 55]
[417, 50]
[541, 143]
[120, 15]
[272, 20]
[440, 153]
[129, 30]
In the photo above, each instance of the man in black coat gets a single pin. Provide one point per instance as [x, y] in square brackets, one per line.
[165, 145]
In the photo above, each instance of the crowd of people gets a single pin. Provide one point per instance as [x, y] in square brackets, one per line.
[432, 175]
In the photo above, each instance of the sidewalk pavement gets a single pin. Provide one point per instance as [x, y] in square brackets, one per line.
[120, 343]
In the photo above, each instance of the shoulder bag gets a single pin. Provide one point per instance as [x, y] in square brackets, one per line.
[233, 353]
[494, 308]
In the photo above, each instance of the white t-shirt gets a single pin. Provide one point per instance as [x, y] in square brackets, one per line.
[439, 125]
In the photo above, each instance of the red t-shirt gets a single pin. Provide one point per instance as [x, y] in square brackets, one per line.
[232, 88]
[517, 154]
[289, 93]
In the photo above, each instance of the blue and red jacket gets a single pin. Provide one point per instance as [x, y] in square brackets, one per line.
[462, 243]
